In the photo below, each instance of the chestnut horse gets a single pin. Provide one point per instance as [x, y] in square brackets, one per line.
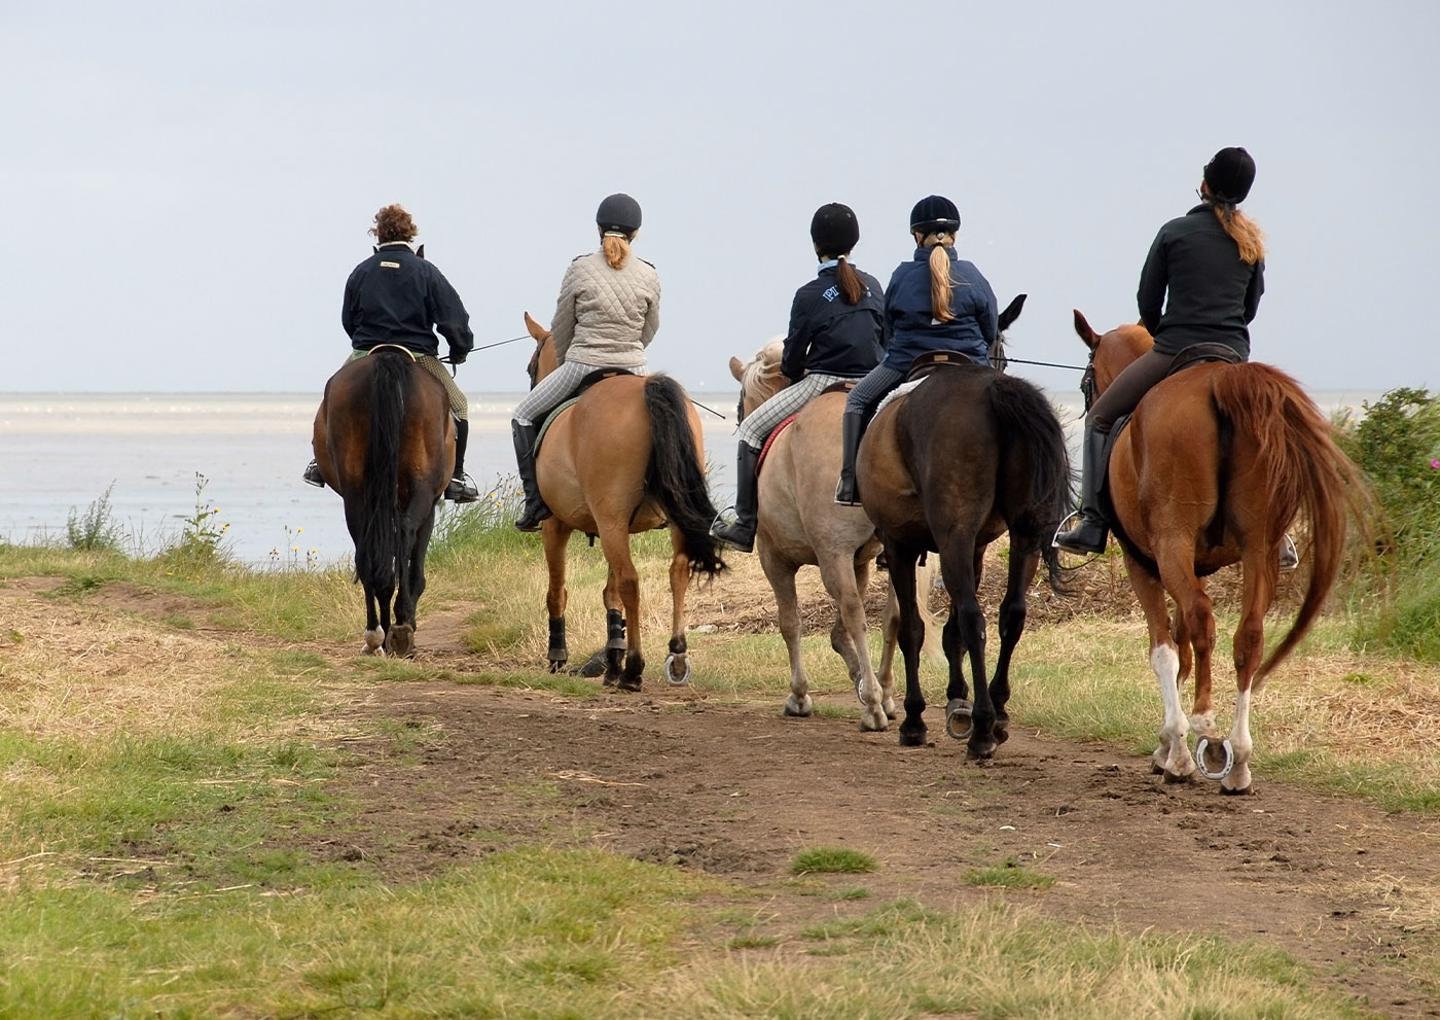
[949, 467]
[800, 523]
[1217, 461]
[385, 441]
[627, 457]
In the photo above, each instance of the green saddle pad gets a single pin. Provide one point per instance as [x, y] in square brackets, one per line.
[550, 419]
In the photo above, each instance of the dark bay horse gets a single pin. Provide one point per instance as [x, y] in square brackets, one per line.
[1217, 462]
[627, 457]
[949, 468]
[385, 441]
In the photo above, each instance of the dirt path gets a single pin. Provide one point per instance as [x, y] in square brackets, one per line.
[737, 791]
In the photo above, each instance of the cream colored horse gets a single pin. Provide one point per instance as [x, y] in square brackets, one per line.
[799, 523]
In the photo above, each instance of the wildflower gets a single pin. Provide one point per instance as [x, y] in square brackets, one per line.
[299, 531]
[294, 548]
[1435, 463]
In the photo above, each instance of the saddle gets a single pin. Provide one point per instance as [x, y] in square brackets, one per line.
[599, 375]
[931, 360]
[843, 386]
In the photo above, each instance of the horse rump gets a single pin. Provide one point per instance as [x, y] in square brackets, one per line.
[675, 477]
[1033, 436]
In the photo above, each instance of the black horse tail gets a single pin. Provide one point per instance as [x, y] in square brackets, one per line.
[1032, 436]
[675, 478]
[378, 550]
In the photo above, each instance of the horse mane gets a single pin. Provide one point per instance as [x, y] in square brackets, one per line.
[762, 378]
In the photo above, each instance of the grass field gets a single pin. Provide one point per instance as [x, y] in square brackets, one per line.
[173, 739]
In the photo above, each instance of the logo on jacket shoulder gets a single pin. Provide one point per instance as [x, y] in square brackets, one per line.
[831, 293]
[389, 265]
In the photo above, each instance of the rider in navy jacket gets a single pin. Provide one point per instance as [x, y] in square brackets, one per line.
[913, 329]
[849, 332]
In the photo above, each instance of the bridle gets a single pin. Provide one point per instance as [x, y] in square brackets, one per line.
[1087, 382]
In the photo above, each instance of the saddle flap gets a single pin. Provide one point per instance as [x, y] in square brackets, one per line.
[931, 360]
[1198, 354]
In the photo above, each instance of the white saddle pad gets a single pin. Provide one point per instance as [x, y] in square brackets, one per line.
[897, 393]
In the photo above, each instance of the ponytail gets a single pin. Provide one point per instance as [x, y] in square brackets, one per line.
[616, 247]
[940, 283]
[851, 288]
[1242, 230]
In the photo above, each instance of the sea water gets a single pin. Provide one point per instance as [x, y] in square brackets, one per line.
[59, 452]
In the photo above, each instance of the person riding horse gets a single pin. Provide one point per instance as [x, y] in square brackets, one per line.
[393, 299]
[935, 302]
[1212, 262]
[837, 332]
[607, 314]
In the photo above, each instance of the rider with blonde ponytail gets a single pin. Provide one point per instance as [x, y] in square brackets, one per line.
[607, 314]
[837, 332]
[1211, 261]
[935, 302]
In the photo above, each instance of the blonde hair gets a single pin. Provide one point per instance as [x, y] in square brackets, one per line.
[1242, 230]
[616, 247]
[850, 287]
[940, 283]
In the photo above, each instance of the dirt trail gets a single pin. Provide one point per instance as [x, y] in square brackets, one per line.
[737, 791]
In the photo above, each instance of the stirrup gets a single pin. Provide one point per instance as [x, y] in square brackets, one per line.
[312, 475]
[461, 490]
[1289, 554]
[853, 501]
[531, 518]
[722, 530]
[1102, 539]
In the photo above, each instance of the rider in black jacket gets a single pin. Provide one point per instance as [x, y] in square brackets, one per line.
[396, 297]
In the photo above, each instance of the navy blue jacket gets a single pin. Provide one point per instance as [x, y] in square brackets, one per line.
[1214, 294]
[911, 321]
[829, 337]
[395, 297]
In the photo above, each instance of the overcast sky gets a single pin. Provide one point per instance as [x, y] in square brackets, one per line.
[187, 186]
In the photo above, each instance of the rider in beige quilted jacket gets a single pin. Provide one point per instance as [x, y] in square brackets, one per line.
[608, 312]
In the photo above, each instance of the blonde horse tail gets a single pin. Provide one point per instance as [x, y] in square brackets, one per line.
[1305, 473]
[676, 478]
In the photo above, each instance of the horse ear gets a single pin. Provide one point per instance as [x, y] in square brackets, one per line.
[1088, 335]
[737, 369]
[539, 332]
[1012, 312]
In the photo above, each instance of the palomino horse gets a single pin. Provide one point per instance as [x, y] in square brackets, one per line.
[948, 468]
[1216, 463]
[384, 440]
[627, 457]
[800, 523]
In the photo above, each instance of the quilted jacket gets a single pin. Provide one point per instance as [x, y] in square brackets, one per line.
[607, 317]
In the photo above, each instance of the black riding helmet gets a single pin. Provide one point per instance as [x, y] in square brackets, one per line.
[1230, 174]
[935, 214]
[834, 229]
[619, 212]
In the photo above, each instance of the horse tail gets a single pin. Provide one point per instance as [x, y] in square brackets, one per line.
[378, 551]
[1304, 471]
[675, 478]
[1029, 429]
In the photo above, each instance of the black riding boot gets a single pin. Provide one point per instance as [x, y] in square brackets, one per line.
[1092, 531]
[461, 489]
[313, 476]
[535, 508]
[851, 427]
[741, 534]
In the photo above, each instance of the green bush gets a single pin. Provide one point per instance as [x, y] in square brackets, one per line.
[94, 530]
[1397, 445]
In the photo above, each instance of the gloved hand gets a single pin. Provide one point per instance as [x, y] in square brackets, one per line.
[458, 357]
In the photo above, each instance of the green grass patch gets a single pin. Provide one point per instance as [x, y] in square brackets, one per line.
[831, 860]
[1009, 875]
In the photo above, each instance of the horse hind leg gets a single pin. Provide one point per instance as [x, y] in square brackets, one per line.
[1172, 757]
[911, 632]
[418, 518]
[622, 605]
[677, 663]
[1024, 561]
[848, 638]
[1260, 575]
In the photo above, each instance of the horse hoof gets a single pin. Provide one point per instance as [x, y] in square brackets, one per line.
[958, 721]
[610, 681]
[1214, 762]
[1242, 792]
[671, 677]
[1002, 732]
[1175, 778]
[874, 722]
[912, 738]
[556, 665]
[801, 710]
[628, 683]
[980, 752]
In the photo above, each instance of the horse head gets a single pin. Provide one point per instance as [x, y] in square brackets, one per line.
[1109, 354]
[760, 378]
[543, 361]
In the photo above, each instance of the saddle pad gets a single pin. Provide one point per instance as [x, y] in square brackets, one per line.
[549, 420]
[770, 441]
[896, 394]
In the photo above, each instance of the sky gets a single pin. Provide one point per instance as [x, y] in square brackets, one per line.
[188, 185]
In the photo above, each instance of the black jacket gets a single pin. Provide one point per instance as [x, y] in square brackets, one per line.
[1213, 294]
[395, 297]
[829, 337]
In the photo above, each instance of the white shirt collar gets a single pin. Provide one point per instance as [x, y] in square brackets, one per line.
[390, 244]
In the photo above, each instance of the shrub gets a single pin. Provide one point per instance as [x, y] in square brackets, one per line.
[94, 530]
